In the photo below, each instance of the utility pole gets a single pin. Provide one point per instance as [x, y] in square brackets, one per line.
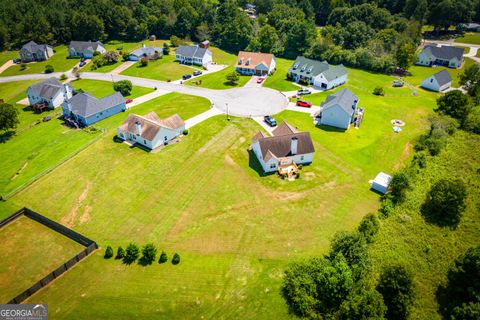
[228, 117]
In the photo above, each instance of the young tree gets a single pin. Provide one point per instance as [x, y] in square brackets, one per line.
[369, 226]
[120, 253]
[131, 254]
[144, 61]
[176, 259]
[405, 55]
[353, 246]
[470, 80]
[149, 253]
[111, 57]
[397, 288]
[49, 68]
[123, 86]
[454, 104]
[108, 253]
[166, 49]
[232, 78]
[8, 117]
[379, 91]
[445, 202]
[400, 184]
[163, 257]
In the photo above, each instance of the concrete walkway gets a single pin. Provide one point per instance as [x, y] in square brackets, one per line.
[125, 65]
[202, 117]
[147, 97]
[6, 65]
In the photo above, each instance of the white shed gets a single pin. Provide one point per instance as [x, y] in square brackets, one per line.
[381, 182]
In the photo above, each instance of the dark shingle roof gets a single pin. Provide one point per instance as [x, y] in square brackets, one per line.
[32, 46]
[191, 51]
[82, 45]
[48, 88]
[85, 105]
[308, 67]
[344, 98]
[150, 124]
[147, 51]
[444, 52]
[442, 77]
[280, 146]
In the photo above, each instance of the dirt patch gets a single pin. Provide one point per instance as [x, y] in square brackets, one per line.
[229, 160]
[19, 171]
[69, 219]
[407, 151]
[86, 214]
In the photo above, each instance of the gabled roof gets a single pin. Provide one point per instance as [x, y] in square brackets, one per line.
[83, 45]
[146, 51]
[32, 47]
[444, 52]
[192, 51]
[345, 98]
[253, 59]
[442, 77]
[48, 88]
[150, 124]
[312, 68]
[85, 105]
[283, 129]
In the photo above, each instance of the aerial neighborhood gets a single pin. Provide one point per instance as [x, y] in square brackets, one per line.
[240, 159]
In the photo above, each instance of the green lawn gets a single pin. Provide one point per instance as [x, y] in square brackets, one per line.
[279, 79]
[103, 88]
[222, 57]
[420, 73]
[23, 241]
[59, 62]
[8, 55]
[469, 37]
[163, 69]
[218, 80]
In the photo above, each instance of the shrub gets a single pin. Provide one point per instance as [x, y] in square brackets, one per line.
[353, 246]
[166, 49]
[131, 254]
[49, 68]
[124, 87]
[176, 41]
[386, 207]
[420, 159]
[108, 253]
[445, 202]
[23, 66]
[369, 226]
[96, 53]
[400, 184]
[125, 56]
[144, 62]
[472, 121]
[363, 305]
[185, 132]
[232, 78]
[111, 57]
[63, 77]
[397, 288]
[454, 104]
[379, 91]
[163, 257]
[149, 253]
[176, 259]
[120, 253]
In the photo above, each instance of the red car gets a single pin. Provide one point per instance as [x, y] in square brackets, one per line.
[128, 100]
[260, 80]
[303, 103]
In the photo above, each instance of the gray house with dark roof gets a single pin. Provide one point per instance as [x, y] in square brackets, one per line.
[438, 82]
[317, 73]
[193, 55]
[86, 109]
[338, 110]
[151, 52]
[85, 49]
[441, 56]
[50, 91]
[32, 51]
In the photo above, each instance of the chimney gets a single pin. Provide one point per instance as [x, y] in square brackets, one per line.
[293, 146]
[143, 45]
[138, 125]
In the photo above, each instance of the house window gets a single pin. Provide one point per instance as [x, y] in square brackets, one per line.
[272, 166]
[165, 138]
[301, 158]
[145, 141]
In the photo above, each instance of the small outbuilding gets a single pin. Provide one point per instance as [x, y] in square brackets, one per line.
[438, 82]
[381, 182]
[205, 44]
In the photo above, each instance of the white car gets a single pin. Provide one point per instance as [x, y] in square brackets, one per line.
[302, 92]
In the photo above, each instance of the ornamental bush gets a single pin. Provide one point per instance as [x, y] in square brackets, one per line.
[131, 254]
[176, 259]
[149, 253]
[120, 253]
[108, 253]
[163, 257]
[49, 68]
[124, 87]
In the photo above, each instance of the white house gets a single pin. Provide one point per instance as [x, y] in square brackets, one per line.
[150, 131]
[381, 182]
[150, 52]
[438, 82]
[441, 56]
[194, 55]
[285, 147]
[339, 109]
[316, 73]
[255, 63]
[49, 91]
[85, 49]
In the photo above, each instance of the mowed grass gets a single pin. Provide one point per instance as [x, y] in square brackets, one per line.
[469, 37]
[420, 73]
[236, 230]
[164, 69]
[59, 62]
[8, 55]
[101, 89]
[218, 80]
[279, 80]
[29, 252]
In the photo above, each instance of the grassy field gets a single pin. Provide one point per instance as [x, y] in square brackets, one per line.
[163, 69]
[222, 57]
[420, 73]
[59, 62]
[469, 37]
[278, 80]
[218, 80]
[103, 88]
[8, 55]
[235, 229]
[29, 252]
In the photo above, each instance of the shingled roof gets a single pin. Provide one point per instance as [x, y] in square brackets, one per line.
[444, 52]
[33, 47]
[150, 124]
[312, 68]
[147, 51]
[253, 59]
[344, 98]
[85, 105]
[442, 77]
[191, 51]
[48, 88]
[82, 45]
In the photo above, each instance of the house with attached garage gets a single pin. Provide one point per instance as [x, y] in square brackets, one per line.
[50, 92]
[255, 63]
[287, 146]
[317, 73]
[440, 56]
[438, 82]
[85, 49]
[85, 109]
[193, 55]
[32, 51]
[152, 53]
[338, 110]
[150, 131]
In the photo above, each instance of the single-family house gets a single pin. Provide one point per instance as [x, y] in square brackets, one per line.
[85, 109]
[339, 109]
[285, 147]
[85, 49]
[472, 27]
[150, 131]
[381, 182]
[438, 82]
[151, 52]
[317, 73]
[193, 55]
[255, 63]
[50, 92]
[32, 51]
[441, 56]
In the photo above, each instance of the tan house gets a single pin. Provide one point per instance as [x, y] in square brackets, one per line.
[255, 63]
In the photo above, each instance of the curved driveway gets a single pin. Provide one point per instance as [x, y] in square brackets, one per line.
[241, 102]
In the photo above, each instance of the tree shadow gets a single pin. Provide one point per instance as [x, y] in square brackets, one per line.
[230, 84]
[144, 262]
[7, 135]
[116, 139]
[128, 260]
[432, 216]
[254, 164]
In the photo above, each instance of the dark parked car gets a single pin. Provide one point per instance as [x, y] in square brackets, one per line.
[197, 73]
[82, 64]
[18, 60]
[186, 76]
[270, 121]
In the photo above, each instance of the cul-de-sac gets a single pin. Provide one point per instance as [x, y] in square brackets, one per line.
[265, 159]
